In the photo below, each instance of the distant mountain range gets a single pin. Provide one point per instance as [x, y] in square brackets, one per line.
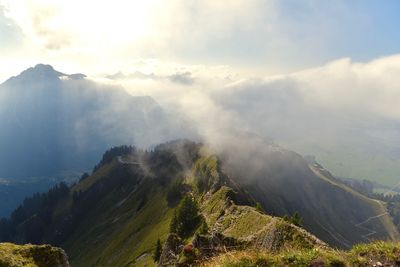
[54, 123]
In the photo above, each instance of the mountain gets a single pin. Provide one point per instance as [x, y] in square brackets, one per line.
[216, 198]
[53, 123]
[284, 183]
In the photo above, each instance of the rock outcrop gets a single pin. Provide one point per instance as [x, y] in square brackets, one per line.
[12, 255]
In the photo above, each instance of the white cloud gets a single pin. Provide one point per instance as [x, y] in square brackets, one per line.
[111, 34]
[341, 86]
[354, 87]
[344, 112]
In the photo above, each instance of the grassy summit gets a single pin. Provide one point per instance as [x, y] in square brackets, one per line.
[12, 255]
[363, 255]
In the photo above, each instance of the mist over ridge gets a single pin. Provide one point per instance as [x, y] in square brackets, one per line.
[345, 113]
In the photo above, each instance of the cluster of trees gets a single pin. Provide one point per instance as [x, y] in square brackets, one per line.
[34, 214]
[390, 198]
[114, 152]
[30, 222]
[175, 191]
[364, 187]
[164, 164]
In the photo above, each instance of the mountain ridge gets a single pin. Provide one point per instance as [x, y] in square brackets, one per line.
[115, 216]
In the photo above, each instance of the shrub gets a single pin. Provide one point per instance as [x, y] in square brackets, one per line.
[294, 219]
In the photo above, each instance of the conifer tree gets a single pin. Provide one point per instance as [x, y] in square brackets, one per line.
[157, 251]
[173, 227]
[186, 217]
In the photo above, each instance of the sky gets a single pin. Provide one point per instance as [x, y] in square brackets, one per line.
[248, 37]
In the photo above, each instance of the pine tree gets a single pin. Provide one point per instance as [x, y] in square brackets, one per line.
[186, 217]
[157, 251]
[173, 227]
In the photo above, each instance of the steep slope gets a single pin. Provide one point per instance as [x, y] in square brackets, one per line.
[115, 216]
[33, 256]
[284, 183]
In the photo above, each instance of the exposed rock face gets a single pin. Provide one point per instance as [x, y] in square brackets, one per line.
[172, 247]
[206, 245]
[211, 245]
[32, 255]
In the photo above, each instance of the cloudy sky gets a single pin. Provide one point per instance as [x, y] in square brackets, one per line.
[250, 37]
[321, 77]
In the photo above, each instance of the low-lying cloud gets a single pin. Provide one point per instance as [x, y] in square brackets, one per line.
[340, 111]
[184, 78]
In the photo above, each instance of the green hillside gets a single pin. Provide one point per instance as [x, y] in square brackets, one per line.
[284, 183]
[115, 216]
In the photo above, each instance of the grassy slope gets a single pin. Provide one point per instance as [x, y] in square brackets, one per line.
[116, 236]
[347, 209]
[330, 211]
[116, 232]
[244, 222]
[378, 206]
[98, 174]
[30, 255]
[374, 254]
